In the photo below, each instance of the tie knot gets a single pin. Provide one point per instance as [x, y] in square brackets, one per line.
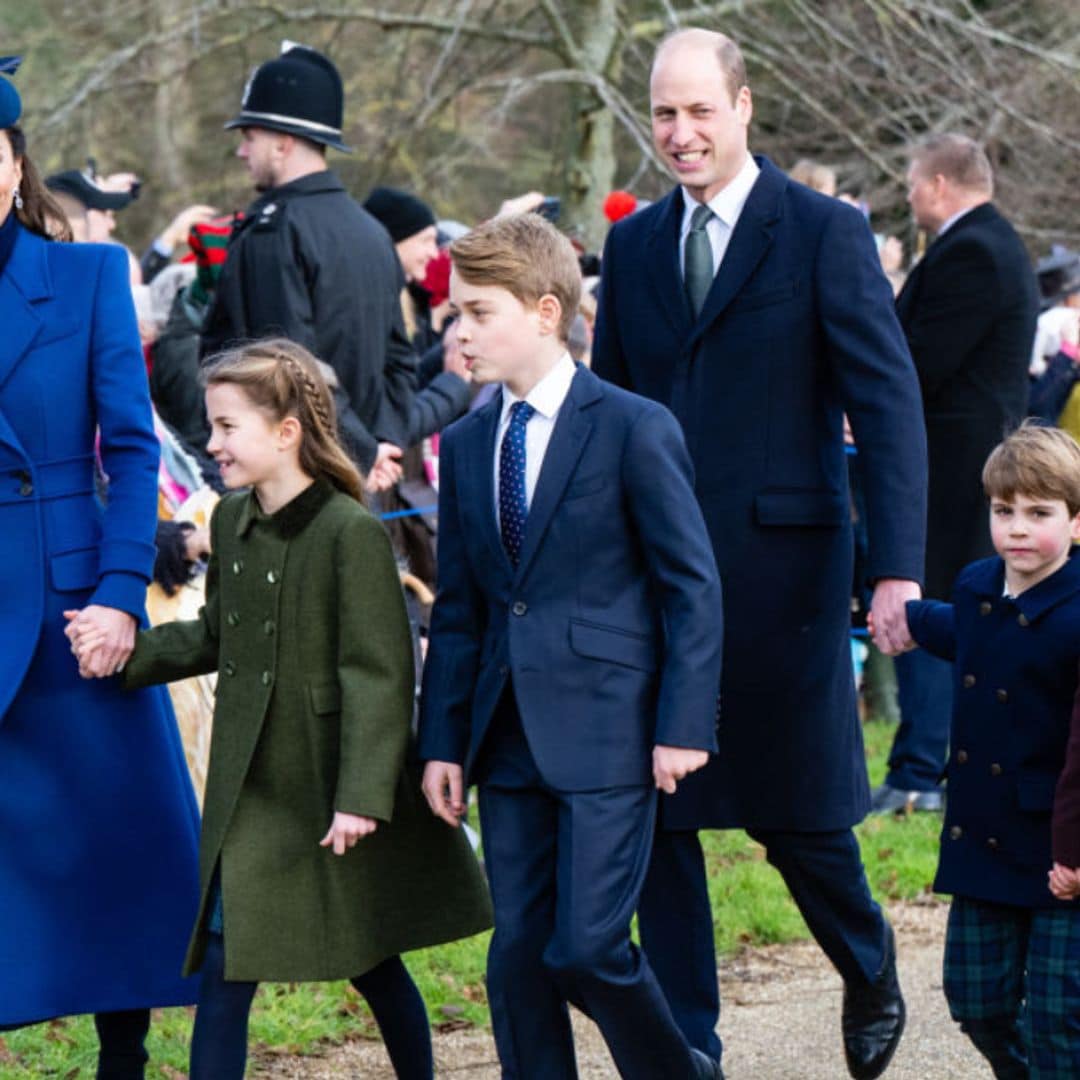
[521, 412]
[700, 217]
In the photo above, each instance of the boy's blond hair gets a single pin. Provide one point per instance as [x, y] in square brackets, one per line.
[1037, 462]
[525, 255]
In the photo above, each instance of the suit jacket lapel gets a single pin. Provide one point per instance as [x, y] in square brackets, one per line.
[479, 460]
[748, 244]
[25, 279]
[665, 273]
[568, 439]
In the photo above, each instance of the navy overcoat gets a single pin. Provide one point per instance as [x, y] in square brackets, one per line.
[98, 822]
[797, 329]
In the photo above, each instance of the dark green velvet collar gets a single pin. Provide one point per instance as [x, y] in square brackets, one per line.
[291, 519]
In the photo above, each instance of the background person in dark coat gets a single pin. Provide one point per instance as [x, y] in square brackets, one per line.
[307, 262]
[968, 310]
[796, 328]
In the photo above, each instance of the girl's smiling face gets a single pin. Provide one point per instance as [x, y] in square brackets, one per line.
[244, 441]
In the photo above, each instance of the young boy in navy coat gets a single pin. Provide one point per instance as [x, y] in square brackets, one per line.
[574, 657]
[1012, 948]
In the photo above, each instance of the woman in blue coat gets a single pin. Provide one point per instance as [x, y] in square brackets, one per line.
[98, 823]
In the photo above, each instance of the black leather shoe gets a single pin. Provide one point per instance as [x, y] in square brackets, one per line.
[873, 1018]
[704, 1066]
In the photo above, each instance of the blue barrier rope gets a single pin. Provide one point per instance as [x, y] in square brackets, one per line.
[408, 513]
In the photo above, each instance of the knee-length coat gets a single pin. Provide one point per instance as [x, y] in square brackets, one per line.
[305, 624]
[98, 822]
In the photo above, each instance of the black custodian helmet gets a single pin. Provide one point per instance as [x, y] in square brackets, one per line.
[299, 93]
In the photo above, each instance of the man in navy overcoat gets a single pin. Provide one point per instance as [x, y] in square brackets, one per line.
[760, 327]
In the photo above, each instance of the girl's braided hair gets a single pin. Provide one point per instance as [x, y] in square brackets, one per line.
[283, 379]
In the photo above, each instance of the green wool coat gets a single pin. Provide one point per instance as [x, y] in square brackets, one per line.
[305, 623]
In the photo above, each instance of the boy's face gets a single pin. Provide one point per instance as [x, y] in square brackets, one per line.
[501, 339]
[1033, 537]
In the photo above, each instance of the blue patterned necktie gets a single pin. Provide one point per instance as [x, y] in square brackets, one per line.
[513, 499]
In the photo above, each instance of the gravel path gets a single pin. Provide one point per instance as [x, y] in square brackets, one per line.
[781, 1021]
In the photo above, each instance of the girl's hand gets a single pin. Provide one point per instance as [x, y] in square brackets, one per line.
[345, 830]
[1064, 882]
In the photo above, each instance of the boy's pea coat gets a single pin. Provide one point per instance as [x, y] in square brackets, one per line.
[305, 623]
[1014, 661]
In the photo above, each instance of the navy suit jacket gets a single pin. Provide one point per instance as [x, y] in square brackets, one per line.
[797, 329]
[609, 630]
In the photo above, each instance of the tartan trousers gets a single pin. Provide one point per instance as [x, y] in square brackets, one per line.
[1012, 981]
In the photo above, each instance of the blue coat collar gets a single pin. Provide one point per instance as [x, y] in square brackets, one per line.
[987, 578]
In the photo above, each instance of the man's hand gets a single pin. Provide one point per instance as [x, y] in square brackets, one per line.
[670, 764]
[1064, 882]
[386, 471]
[102, 638]
[176, 232]
[889, 627]
[346, 830]
[443, 787]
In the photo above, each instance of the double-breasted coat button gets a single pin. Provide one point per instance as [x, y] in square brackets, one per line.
[267, 678]
[995, 769]
[228, 668]
[26, 489]
[237, 566]
[985, 607]
[504, 670]
[1002, 695]
[961, 757]
[233, 618]
[992, 843]
[955, 832]
[271, 576]
[520, 607]
[268, 627]
[1022, 619]
[969, 681]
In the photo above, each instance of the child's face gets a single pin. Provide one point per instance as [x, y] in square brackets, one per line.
[244, 441]
[1033, 537]
[501, 339]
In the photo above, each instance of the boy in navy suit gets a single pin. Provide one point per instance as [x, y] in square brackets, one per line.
[1012, 948]
[574, 658]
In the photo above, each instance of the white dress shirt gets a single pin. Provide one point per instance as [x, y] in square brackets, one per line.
[546, 397]
[950, 222]
[726, 206]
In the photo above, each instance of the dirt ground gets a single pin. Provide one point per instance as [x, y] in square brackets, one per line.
[781, 1021]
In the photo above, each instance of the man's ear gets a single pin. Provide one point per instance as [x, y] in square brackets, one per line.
[550, 311]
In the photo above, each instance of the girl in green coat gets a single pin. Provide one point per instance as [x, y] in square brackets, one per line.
[318, 858]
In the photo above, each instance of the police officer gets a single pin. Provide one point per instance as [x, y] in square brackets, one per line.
[308, 262]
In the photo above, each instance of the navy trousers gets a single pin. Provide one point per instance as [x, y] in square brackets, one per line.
[823, 873]
[565, 871]
[924, 689]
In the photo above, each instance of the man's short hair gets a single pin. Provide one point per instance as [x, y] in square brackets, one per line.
[728, 55]
[956, 157]
[525, 255]
[1037, 462]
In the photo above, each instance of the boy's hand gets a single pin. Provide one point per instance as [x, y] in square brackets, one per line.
[443, 787]
[1064, 882]
[888, 619]
[346, 830]
[671, 763]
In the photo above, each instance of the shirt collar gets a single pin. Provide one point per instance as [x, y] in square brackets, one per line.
[547, 396]
[727, 204]
[948, 223]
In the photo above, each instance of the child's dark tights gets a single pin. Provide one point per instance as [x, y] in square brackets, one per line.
[219, 1043]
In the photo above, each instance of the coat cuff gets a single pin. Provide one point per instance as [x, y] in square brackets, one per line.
[124, 591]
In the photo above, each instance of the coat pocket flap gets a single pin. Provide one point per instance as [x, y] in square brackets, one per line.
[801, 508]
[325, 698]
[609, 643]
[74, 570]
[1035, 791]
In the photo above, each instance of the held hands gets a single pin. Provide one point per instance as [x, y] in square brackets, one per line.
[1064, 882]
[443, 787]
[346, 831]
[670, 764]
[887, 620]
[386, 471]
[102, 639]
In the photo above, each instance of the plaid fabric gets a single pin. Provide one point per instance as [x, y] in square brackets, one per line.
[1007, 963]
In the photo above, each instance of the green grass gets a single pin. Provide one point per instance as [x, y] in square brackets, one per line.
[750, 904]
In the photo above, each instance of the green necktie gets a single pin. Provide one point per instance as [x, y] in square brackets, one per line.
[697, 265]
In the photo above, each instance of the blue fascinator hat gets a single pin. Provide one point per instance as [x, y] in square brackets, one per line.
[10, 103]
